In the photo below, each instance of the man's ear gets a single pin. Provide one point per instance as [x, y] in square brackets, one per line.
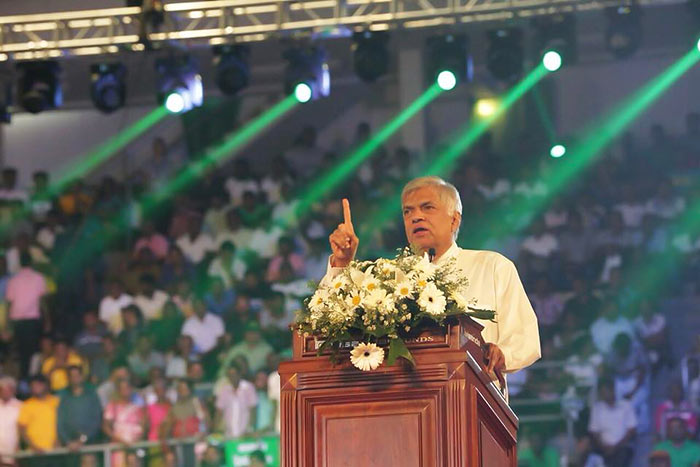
[456, 221]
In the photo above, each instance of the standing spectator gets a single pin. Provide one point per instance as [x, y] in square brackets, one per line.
[215, 217]
[38, 359]
[203, 327]
[651, 328]
[285, 254]
[612, 426]
[37, 420]
[55, 368]
[605, 329]
[8, 189]
[236, 401]
[88, 343]
[274, 389]
[158, 412]
[629, 365]
[675, 407]
[683, 451]
[186, 418]
[253, 348]
[25, 292]
[46, 236]
[150, 300]
[9, 414]
[196, 245]
[79, 417]
[153, 240]
[265, 408]
[124, 420]
[112, 304]
[133, 327]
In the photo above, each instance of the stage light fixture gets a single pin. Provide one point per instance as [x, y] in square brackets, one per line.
[551, 60]
[39, 85]
[698, 45]
[485, 108]
[624, 33]
[557, 151]
[232, 69]
[179, 84]
[370, 55]
[108, 88]
[306, 76]
[448, 61]
[505, 53]
[556, 33]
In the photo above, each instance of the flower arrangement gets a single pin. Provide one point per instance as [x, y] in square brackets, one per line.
[372, 301]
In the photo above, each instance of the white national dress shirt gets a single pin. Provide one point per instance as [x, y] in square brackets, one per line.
[9, 436]
[204, 332]
[494, 284]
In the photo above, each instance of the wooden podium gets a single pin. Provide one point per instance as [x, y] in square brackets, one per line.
[444, 412]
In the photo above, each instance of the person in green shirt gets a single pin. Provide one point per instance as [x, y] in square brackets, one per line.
[253, 348]
[683, 451]
[538, 453]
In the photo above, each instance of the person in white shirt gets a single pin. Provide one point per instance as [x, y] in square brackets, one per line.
[612, 426]
[9, 413]
[150, 300]
[203, 327]
[110, 310]
[432, 212]
[236, 400]
[195, 244]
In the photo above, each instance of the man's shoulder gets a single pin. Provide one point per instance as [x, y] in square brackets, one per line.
[484, 256]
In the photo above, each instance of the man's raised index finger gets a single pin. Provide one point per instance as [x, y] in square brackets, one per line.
[347, 218]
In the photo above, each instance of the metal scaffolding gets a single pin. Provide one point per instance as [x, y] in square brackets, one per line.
[110, 30]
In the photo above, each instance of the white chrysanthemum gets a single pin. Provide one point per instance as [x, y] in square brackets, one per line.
[386, 266]
[319, 300]
[432, 300]
[461, 302]
[367, 357]
[338, 284]
[403, 290]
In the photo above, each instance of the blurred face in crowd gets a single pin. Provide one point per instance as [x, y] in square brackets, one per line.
[90, 321]
[200, 308]
[38, 388]
[233, 220]
[234, 375]
[46, 345]
[195, 371]
[184, 345]
[677, 431]
[607, 394]
[261, 381]
[160, 388]
[252, 337]
[7, 390]
[194, 227]
[130, 318]
[183, 389]
[120, 373]
[124, 389]
[75, 377]
[426, 220]
[60, 350]
[115, 289]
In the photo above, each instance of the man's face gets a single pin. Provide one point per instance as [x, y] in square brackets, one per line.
[38, 388]
[75, 377]
[676, 430]
[426, 220]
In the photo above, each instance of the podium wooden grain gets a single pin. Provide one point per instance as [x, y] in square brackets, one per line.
[445, 411]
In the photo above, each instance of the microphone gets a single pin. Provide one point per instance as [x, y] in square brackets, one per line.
[431, 254]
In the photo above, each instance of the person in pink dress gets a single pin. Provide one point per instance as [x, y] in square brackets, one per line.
[124, 420]
[157, 413]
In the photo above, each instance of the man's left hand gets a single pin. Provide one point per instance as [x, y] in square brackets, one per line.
[494, 358]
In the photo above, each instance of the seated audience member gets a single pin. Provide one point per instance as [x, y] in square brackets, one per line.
[153, 240]
[79, 412]
[612, 426]
[630, 368]
[682, 450]
[606, 328]
[675, 407]
[111, 306]
[234, 232]
[203, 327]
[158, 410]
[167, 329]
[219, 299]
[265, 408]
[547, 304]
[150, 300]
[9, 414]
[187, 418]
[176, 269]
[133, 327]
[196, 245]
[651, 328]
[253, 347]
[285, 254]
[102, 363]
[55, 368]
[538, 248]
[143, 358]
[227, 266]
[38, 359]
[88, 342]
[538, 453]
[236, 402]
[275, 320]
[37, 419]
[178, 358]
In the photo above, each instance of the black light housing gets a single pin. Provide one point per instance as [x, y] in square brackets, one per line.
[108, 86]
[232, 69]
[449, 52]
[39, 85]
[370, 55]
[624, 33]
[557, 33]
[306, 76]
[505, 54]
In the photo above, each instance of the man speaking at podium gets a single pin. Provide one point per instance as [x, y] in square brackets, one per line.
[432, 213]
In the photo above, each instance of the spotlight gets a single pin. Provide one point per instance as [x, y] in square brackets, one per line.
[448, 61]
[624, 34]
[485, 108]
[108, 89]
[556, 34]
[39, 86]
[179, 84]
[505, 54]
[306, 75]
[232, 70]
[551, 60]
[557, 151]
[370, 54]
[698, 45]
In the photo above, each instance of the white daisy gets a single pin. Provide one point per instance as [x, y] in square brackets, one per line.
[403, 289]
[378, 298]
[354, 300]
[432, 300]
[338, 284]
[319, 300]
[461, 302]
[366, 357]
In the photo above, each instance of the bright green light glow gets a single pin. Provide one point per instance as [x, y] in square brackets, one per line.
[347, 166]
[551, 60]
[226, 149]
[302, 92]
[579, 157]
[175, 102]
[557, 151]
[447, 80]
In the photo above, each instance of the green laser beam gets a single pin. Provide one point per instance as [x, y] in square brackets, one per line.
[336, 175]
[584, 152]
[445, 160]
[544, 115]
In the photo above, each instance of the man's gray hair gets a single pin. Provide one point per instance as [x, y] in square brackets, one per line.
[447, 193]
[8, 381]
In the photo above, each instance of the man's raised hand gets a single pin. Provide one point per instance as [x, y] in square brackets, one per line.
[343, 240]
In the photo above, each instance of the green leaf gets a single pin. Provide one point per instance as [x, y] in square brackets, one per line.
[483, 314]
[397, 348]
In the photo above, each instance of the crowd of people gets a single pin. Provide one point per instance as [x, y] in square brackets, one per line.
[124, 319]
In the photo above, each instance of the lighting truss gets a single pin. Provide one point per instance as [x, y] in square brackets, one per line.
[108, 30]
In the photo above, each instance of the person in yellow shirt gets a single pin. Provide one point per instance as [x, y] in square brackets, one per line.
[55, 368]
[37, 419]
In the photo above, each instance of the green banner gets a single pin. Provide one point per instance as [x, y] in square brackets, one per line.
[238, 451]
